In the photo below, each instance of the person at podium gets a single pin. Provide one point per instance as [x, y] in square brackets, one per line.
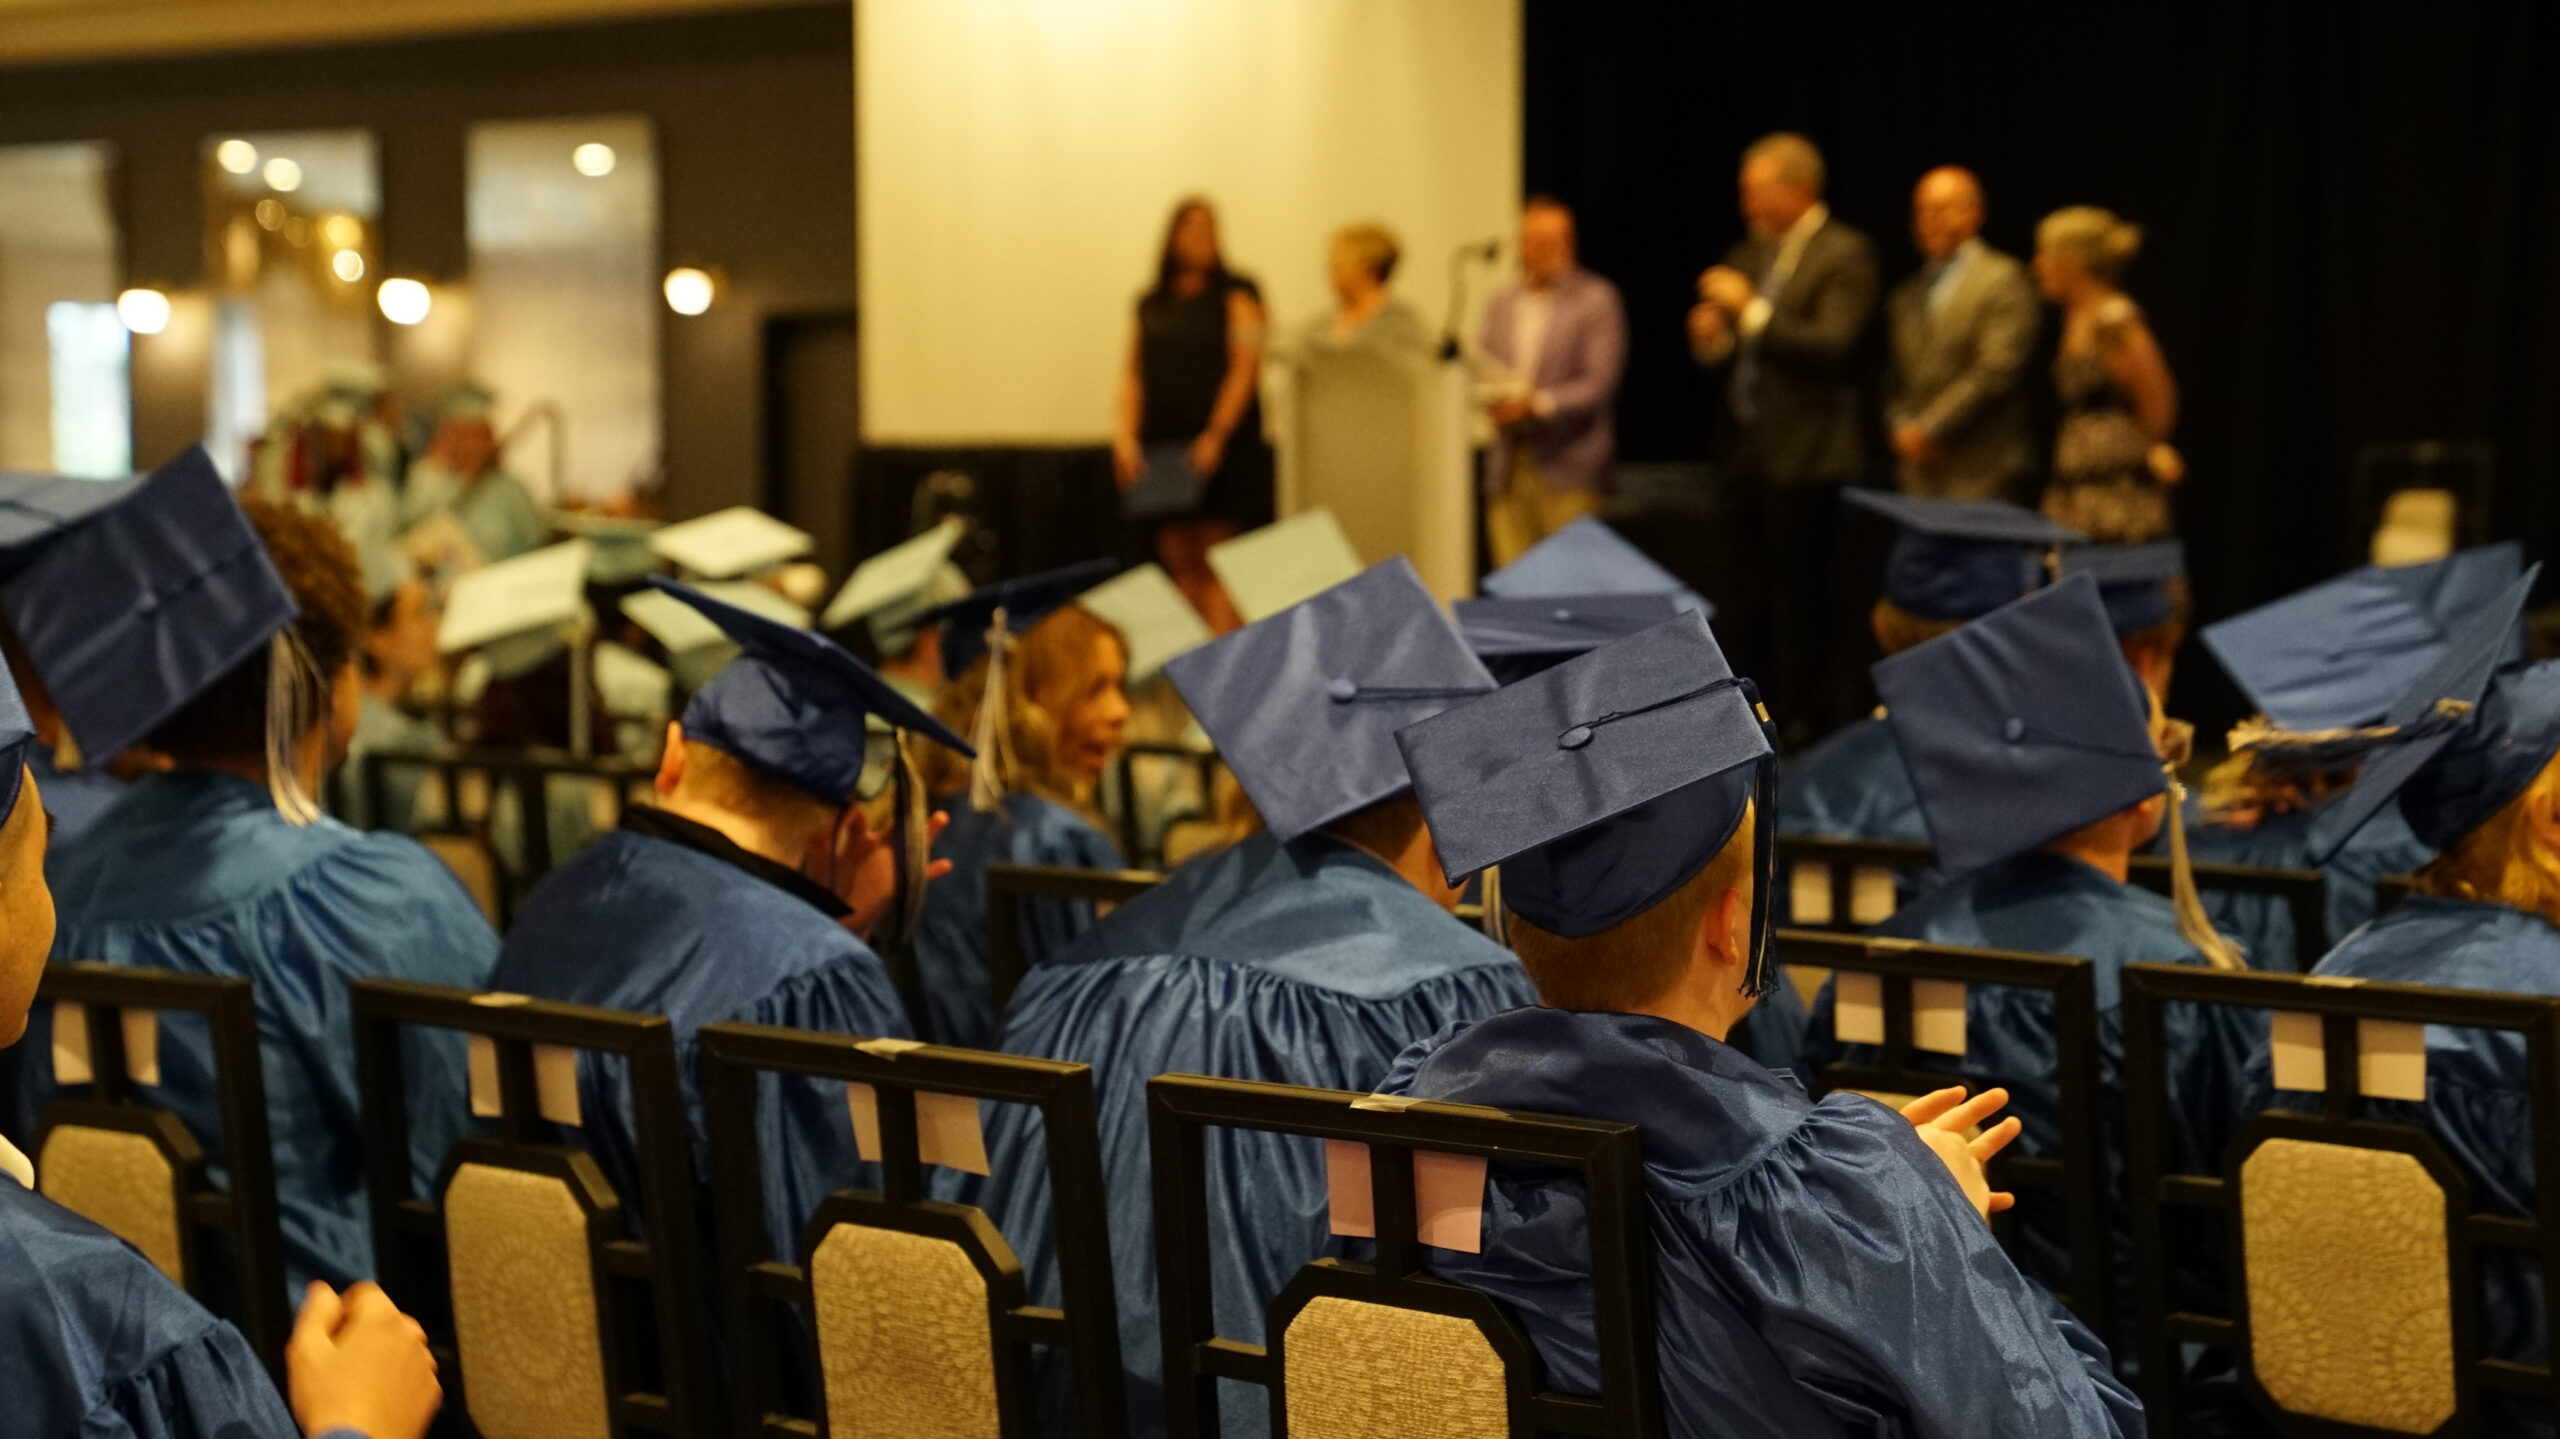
[1367, 315]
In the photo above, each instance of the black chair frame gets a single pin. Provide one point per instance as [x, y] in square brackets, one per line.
[1204, 763]
[524, 772]
[1182, 1109]
[2340, 1119]
[2077, 1174]
[1008, 885]
[253, 1297]
[650, 1310]
[753, 1290]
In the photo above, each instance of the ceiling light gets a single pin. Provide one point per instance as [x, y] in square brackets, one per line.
[145, 312]
[593, 160]
[404, 302]
[283, 175]
[237, 156]
[347, 265]
[690, 291]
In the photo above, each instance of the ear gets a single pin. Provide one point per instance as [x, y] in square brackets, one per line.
[671, 764]
[1723, 940]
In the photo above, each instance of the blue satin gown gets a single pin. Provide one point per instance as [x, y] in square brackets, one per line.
[951, 937]
[2264, 926]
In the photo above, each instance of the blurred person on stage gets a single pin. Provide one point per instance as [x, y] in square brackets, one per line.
[1787, 316]
[2112, 461]
[1187, 447]
[1559, 338]
[1962, 328]
[1359, 262]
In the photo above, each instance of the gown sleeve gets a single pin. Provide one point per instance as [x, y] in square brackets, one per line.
[803, 1125]
[209, 1387]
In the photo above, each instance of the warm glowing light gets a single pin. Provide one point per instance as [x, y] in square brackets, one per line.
[237, 156]
[347, 265]
[283, 175]
[404, 302]
[270, 212]
[343, 231]
[593, 160]
[690, 291]
[145, 312]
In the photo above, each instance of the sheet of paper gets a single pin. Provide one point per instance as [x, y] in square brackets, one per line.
[1872, 898]
[71, 1044]
[142, 1046]
[2391, 1060]
[1857, 1007]
[1937, 1015]
[864, 1103]
[1448, 1200]
[1809, 892]
[485, 1103]
[555, 1083]
[2293, 1044]
[1346, 1187]
[947, 1129]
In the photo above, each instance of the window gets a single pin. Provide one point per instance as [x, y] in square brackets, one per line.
[65, 405]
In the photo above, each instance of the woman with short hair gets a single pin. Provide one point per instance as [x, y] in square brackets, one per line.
[2112, 461]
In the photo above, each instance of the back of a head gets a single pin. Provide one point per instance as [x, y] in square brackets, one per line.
[2513, 859]
[227, 721]
[1797, 160]
[1632, 965]
[719, 781]
[2104, 242]
[1374, 245]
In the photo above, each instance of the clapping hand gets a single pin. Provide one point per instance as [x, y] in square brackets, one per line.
[861, 866]
[1726, 288]
[1947, 1121]
[356, 1362]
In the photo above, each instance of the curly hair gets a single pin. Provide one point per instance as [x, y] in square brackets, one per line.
[229, 718]
[2511, 859]
[1052, 663]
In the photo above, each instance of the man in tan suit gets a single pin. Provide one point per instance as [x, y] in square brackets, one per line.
[1962, 330]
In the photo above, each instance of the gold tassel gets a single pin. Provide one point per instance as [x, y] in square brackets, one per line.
[2193, 923]
[989, 734]
[293, 707]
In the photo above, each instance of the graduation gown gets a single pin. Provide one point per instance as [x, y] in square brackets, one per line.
[951, 936]
[2263, 925]
[1816, 1269]
[74, 797]
[664, 916]
[97, 1344]
[195, 871]
[1854, 785]
[2476, 1084]
[384, 727]
[2044, 903]
[1308, 962]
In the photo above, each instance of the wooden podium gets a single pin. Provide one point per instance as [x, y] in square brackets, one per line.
[1382, 440]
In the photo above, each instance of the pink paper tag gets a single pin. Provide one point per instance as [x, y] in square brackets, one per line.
[1346, 1183]
[1448, 1196]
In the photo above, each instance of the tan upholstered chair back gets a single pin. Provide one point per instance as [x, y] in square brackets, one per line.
[524, 1305]
[2365, 1342]
[904, 1338]
[122, 1181]
[1354, 1370]
[468, 856]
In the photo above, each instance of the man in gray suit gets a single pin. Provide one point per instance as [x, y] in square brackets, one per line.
[1962, 329]
[1559, 337]
[1791, 313]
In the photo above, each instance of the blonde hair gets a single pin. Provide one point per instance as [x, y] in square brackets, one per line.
[1635, 962]
[2243, 793]
[1374, 245]
[2104, 241]
[1051, 666]
[2511, 859]
[1898, 629]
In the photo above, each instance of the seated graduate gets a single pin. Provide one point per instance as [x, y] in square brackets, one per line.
[1588, 558]
[1037, 685]
[2471, 751]
[34, 511]
[1819, 1268]
[461, 475]
[222, 864]
[101, 1345]
[2043, 765]
[1952, 561]
[399, 647]
[2144, 588]
[2330, 658]
[1309, 953]
[744, 896]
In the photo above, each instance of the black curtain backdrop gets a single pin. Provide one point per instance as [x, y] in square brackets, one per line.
[2352, 218]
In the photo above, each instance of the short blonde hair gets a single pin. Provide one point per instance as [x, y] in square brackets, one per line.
[1636, 962]
[2508, 860]
[1798, 159]
[1373, 245]
[2104, 241]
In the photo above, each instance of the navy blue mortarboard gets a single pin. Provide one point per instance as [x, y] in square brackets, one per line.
[2457, 745]
[1589, 558]
[135, 612]
[2461, 582]
[1517, 638]
[37, 508]
[2135, 581]
[2333, 656]
[1604, 784]
[792, 705]
[1961, 559]
[1305, 704]
[1024, 602]
[2021, 727]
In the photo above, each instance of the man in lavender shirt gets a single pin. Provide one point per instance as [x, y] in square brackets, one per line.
[1558, 343]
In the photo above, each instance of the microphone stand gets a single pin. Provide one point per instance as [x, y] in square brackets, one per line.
[1449, 345]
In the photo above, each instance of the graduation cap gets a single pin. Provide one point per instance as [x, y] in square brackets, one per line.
[2461, 583]
[1304, 706]
[618, 548]
[1153, 618]
[724, 545]
[1606, 783]
[1274, 567]
[1517, 638]
[1589, 558]
[516, 612]
[2333, 656]
[1023, 602]
[1961, 559]
[2135, 581]
[134, 612]
[35, 509]
[893, 587]
[697, 647]
[2456, 746]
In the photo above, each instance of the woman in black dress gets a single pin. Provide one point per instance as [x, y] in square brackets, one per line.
[1192, 383]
